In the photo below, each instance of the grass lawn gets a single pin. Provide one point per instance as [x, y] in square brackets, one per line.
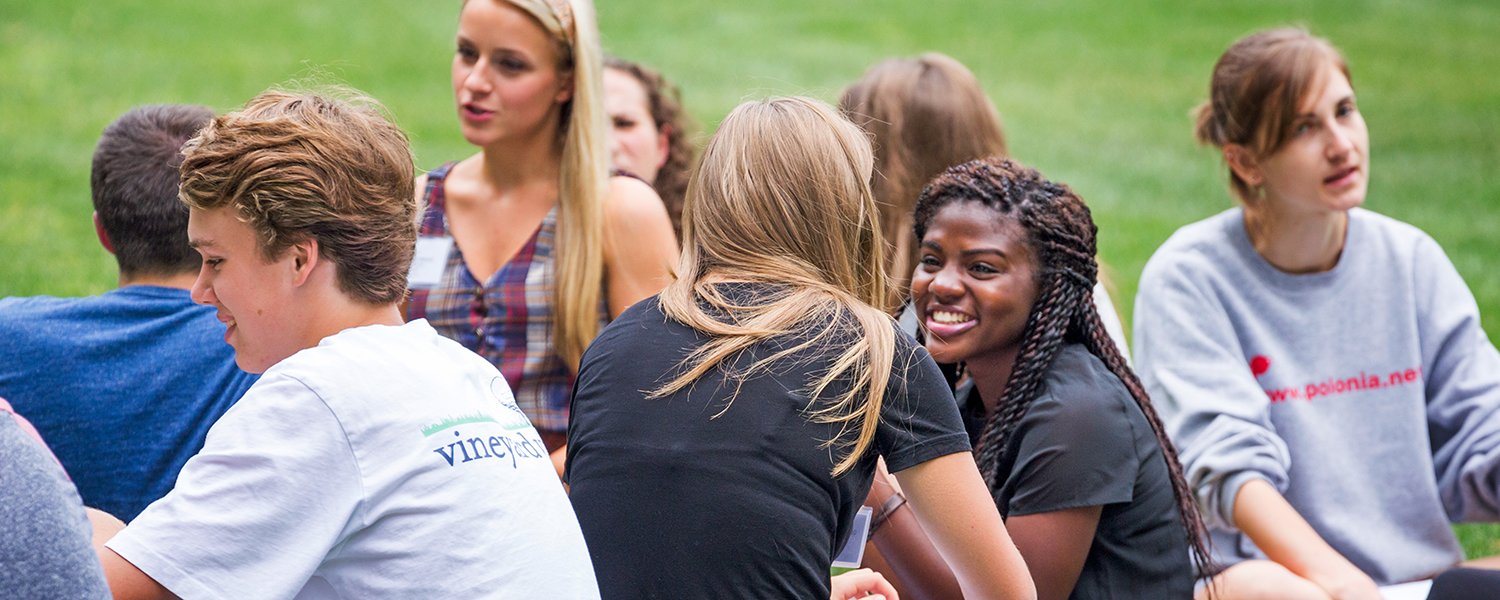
[1095, 93]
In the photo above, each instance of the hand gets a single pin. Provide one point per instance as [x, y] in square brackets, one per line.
[861, 583]
[1346, 582]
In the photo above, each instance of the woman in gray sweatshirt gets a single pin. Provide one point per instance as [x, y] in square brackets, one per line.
[1321, 367]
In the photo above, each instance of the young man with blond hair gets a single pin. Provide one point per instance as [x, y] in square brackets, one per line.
[373, 458]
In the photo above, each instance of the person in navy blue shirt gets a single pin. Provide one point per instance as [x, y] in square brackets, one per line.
[125, 385]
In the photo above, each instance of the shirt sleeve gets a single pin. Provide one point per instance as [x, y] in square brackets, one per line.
[260, 508]
[919, 419]
[1190, 362]
[44, 535]
[1073, 452]
[1461, 372]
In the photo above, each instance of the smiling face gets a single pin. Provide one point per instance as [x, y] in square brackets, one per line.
[636, 146]
[506, 78]
[975, 284]
[1323, 166]
[253, 297]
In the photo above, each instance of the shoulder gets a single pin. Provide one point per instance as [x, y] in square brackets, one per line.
[1195, 247]
[25, 321]
[629, 201]
[1079, 443]
[1083, 396]
[1076, 371]
[1194, 264]
[415, 345]
[22, 308]
[634, 321]
[913, 363]
[1395, 239]
[1385, 225]
[439, 174]
[354, 356]
[44, 315]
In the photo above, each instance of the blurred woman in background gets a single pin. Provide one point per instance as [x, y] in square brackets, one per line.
[651, 135]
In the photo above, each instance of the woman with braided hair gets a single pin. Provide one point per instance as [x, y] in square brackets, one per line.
[1064, 435]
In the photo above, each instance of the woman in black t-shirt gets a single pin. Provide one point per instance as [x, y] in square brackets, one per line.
[723, 434]
[1068, 442]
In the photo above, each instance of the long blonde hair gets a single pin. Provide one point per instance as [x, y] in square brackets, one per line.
[584, 182]
[782, 196]
[926, 113]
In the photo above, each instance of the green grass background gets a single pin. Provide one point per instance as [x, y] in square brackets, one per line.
[1095, 93]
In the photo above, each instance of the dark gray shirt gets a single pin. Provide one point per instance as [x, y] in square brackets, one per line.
[1085, 442]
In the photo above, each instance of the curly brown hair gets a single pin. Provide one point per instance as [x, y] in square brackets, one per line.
[665, 102]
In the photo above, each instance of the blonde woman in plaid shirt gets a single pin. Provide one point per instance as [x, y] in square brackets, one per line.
[539, 246]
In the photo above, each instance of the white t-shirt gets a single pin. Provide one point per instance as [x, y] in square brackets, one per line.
[386, 462]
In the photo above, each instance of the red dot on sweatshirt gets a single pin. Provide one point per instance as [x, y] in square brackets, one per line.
[1259, 365]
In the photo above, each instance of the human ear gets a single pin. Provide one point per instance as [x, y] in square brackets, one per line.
[1244, 164]
[103, 235]
[663, 142]
[305, 258]
[565, 89]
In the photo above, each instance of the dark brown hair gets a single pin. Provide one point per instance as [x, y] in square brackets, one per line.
[134, 186]
[925, 114]
[296, 166]
[665, 103]
[1061, 234]
[1257, 90]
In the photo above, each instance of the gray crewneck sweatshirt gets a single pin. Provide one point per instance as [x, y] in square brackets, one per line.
[1367, 394]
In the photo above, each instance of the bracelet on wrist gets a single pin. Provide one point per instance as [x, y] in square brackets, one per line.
[888, 508]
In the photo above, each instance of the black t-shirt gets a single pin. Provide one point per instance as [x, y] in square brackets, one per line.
[1085, 442]
[690, 496]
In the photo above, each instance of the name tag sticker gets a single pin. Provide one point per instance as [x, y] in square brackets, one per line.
[853, 552]
[430, 260]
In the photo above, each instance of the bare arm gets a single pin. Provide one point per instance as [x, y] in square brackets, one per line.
[560, 462]
[125, 580]
[956, 511]
[1055, 545]
[639, 246]
[900, 550]
[1263, 514]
